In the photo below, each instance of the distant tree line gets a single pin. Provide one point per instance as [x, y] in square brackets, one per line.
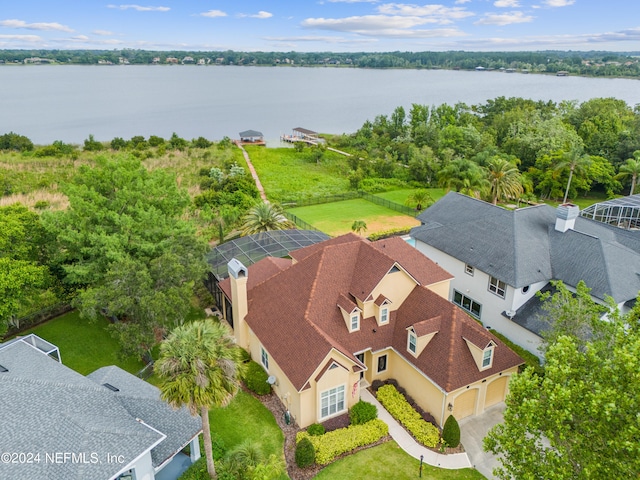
[592, 63]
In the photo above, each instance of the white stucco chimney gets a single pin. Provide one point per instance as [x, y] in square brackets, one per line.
[238, 274]
[566, 215]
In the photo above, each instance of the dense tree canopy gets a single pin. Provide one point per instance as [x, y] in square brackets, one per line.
[123, 245]
[579, 421]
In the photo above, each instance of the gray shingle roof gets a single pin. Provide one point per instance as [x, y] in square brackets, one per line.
[250, 133]
[522, 247]
[49, 408]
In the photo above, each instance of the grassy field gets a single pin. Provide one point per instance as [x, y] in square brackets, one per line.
[389, 461]
[85, 346]
[288, 175]
[400, 196]
[336, 218]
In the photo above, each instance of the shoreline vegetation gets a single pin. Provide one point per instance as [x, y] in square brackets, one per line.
[560, 63]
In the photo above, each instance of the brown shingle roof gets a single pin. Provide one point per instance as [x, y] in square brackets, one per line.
[295, 314]
[260, 271]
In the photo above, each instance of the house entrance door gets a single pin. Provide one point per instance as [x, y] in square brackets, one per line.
[360, 357]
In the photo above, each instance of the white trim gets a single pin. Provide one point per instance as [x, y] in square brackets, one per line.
[337, 412]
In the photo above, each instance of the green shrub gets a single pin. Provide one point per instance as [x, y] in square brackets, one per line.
[362, 412]
[305, 453]
[331, 445]
[197, 471]
[451, 432]
[394, 232]
[423, 431]
[529, 358]
[255, 378]
[315, 429]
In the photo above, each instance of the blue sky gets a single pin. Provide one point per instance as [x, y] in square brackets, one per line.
[325, 25]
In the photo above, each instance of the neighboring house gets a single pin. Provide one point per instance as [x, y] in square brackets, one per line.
[500, 258]
[345, 312]
[107, 425]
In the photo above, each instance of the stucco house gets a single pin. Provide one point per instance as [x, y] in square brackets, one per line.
[500, 258]
[110, 424]
[344, 312]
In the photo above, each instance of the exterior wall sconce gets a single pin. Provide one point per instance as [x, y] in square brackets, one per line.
[450, 406]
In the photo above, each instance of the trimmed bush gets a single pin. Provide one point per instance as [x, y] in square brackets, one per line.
[451, 432]
[255, 378]
[331, 445]
[404, 413]
[362, 412]
[305, 453]
[315, 429]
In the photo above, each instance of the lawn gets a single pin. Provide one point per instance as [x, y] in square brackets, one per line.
[85, 346]
[336, 218]
[389, 461]
[400, 196]
[289, 175]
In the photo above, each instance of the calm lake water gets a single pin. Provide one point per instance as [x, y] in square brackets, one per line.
[48, 103]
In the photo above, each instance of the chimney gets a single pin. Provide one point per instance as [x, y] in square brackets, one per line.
[566, 215]
[238, 275]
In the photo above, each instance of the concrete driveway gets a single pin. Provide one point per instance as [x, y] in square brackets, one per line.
[472, 432]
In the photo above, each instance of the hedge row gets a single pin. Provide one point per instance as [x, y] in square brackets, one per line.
[395, 403]
[335, 443]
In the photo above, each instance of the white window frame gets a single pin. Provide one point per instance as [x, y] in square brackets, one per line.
[471, 302]
[332, 402]
[468, 269]
[487, 358]
[384, 314]
[355, 322]
[497, 287]
[264, 358]
[386, 363]
[414, 337]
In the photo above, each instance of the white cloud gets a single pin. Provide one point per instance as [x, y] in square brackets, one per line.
[438, 13]
[558, 3]
[213, 14]
[105, 33]
[461, 2]
[24, 38]
[503, 19]
[381, 26]
[506, 3]
[139, 8]
[34, 26]
[261, 14]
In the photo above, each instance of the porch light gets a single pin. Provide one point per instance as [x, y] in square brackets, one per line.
[450, 406]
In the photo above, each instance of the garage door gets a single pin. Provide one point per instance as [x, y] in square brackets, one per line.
[464, 405]
[495, 392]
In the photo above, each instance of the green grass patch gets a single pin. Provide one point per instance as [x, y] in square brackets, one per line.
[245, 418]
[85, 346]
[289, 175]
[389, 461]
[400, 196]
[336, 218]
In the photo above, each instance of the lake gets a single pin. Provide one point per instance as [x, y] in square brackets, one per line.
[48, 103]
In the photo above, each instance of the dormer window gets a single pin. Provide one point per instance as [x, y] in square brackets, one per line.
[384, 314]
[412, 342]
[355, 321]
[487, 357]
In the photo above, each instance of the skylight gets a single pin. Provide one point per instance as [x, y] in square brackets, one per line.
[111, 387]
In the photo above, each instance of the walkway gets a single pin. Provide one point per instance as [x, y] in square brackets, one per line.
[413, 448]
[253, 172]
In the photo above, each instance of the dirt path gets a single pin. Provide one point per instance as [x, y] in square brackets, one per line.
[253, 172]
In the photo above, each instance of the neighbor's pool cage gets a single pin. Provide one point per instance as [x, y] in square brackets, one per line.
[621, 212]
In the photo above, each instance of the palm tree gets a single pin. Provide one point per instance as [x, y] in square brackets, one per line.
[631, 168]
[464, 176]
[420, 198]
[504, 178]
[264, 217]
[576, 162]
[359, 227]
[200, 366]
